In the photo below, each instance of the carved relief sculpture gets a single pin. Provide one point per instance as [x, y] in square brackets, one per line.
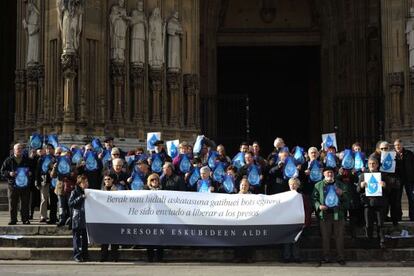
[156, 39]
[174, 31]
[138, 30]
[118, 20]
[70, 24]
[32, 26]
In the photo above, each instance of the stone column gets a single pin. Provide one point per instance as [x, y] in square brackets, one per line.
[155, 76]
[118, 81]
[41, 97]
[396, 83]
[69, 65]
[137, 82]
[32, 77]
[189, 94]
[20, 82]
[173, 81]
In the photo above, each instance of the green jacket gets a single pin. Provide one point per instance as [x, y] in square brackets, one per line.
[318, 198]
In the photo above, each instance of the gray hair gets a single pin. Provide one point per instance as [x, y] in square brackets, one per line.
[205, 169]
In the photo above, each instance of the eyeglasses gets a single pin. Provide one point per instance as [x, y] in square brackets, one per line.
[383, 148]
[107, 179]
[153, 179]
[115, 154]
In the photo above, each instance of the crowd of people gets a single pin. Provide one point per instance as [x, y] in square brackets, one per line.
[331, 182]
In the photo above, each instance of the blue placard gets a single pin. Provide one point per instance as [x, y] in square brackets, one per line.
[22, 177]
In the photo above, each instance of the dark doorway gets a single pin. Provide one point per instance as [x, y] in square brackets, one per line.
[279, 85]
[7, 67]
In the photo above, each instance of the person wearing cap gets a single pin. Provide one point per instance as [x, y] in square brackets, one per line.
[331, 217]
[160, 150]
[109, 142]
[142, 168]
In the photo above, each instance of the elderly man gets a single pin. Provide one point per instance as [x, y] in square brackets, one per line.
[170, 180]
[331, 216]
[16, 192]
[405, 171]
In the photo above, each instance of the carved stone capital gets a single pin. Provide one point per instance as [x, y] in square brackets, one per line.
[189, 84]
[137, 75]
[118, 73]
[32, 73]
[396, 79]
[173, 81]
[155, 77]
[20, 78]
[69, 62]
[412, 76]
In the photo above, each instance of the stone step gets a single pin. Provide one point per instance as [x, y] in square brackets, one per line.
[40, 241]
[205, 254]
[44, 229]
[4, 206]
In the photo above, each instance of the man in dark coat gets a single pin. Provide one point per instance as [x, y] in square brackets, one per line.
[405, 171]
[15, 193]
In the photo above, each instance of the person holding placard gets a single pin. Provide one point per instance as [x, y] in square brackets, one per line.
[387, 166]
[371, 186]
[330, 200]
[16, 170]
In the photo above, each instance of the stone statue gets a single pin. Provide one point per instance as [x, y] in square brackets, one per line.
[32, 26]
[174, 31]
[70, 23]
[119, 21]
[156, 39]
[409, 31]
[138, 31]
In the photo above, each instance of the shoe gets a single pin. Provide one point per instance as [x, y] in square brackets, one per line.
[12, 222]
[324, 261]
[297, 260]
[78, 259]
[341, 262]
[31, 216]
[382, 245]
[42, 220]
[51, 221]
[26, 222]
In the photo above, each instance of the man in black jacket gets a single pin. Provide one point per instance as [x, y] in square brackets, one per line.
[405, 170]
[9, 171]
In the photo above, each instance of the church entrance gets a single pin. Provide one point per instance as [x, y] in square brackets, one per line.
[268, 92]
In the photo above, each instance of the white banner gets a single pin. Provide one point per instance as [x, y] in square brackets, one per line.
[123, 217]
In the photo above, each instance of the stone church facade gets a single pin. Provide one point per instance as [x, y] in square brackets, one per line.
[363, 91]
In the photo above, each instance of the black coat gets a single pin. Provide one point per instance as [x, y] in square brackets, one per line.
[10, 165]
[77, 203]
[405, 166]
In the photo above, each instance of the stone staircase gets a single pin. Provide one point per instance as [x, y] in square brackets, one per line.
[50, 243]
[45, 242]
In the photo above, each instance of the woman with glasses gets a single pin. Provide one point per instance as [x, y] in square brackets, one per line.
[153, 184]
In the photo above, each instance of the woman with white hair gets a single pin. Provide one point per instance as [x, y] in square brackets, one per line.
[205, 184]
